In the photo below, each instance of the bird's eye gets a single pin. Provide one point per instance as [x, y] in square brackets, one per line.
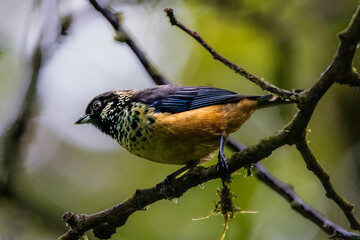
[96, 105]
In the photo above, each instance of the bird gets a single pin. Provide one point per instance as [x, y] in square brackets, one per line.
[172, 124]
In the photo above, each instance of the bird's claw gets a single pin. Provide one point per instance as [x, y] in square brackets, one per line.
[222, 164]
[165, 186]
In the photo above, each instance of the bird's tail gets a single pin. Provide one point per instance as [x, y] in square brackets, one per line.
[270, 100]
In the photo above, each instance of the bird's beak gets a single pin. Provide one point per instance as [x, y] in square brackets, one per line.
[84, 119]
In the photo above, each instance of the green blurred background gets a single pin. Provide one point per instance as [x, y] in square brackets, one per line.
[77, 168]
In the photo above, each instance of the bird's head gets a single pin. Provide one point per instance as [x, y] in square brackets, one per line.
[102, 109]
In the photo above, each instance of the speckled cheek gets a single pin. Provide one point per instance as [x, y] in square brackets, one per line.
[105, 112]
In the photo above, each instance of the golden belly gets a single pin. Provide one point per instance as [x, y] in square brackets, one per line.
[192, 135]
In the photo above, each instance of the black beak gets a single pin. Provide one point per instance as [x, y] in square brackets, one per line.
[84, 119]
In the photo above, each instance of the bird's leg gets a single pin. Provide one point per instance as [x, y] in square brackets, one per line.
[168, 180]
[222, 164]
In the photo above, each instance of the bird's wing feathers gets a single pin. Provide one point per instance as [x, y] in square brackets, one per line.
[176, 99]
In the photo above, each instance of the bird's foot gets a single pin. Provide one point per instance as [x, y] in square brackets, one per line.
[166, 187]
[222, 165]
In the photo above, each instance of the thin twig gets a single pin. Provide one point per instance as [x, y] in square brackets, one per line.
[295, 201]
[240, 70]
[300, 206]
[122, 36]
[314, 166]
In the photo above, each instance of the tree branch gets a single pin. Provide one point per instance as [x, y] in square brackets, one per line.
[117, 216]
[340, 71]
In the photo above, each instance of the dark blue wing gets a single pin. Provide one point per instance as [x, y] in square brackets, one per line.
[175, 99]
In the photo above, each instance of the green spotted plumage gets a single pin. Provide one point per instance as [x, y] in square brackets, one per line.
[133, 128]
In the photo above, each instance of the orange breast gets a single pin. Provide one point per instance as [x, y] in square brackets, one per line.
[194, 135]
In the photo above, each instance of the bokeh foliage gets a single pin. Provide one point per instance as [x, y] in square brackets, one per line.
[289, 43]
